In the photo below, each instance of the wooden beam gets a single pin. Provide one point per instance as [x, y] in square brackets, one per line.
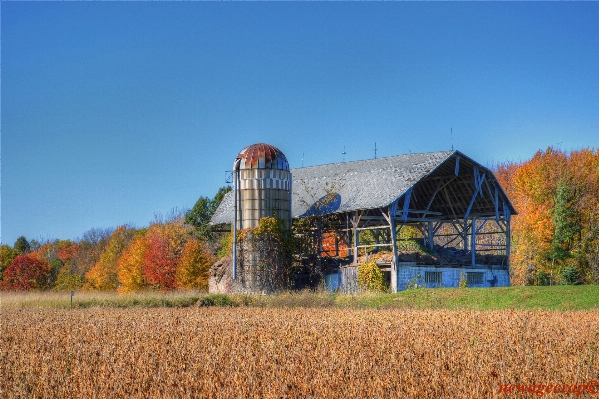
[477, 188]
[395, 257]
[449, 202]
[473, 241]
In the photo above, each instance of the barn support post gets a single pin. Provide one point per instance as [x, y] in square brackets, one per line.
[355, 221]
[393, 231]
[431, 235]
[473, 241]
[394, 264]
[465, 235]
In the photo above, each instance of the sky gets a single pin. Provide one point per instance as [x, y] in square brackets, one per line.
[115, 112]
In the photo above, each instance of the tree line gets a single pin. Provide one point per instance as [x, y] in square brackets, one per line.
[555, 236]
[166, 255]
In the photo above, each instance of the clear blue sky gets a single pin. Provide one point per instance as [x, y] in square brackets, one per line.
[114, 112]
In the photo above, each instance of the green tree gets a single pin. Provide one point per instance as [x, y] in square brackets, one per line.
[564, 220]
[571, 275]
[199, 216]
[22, 246]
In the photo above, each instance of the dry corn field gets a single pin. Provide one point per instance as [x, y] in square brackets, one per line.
[292, 353]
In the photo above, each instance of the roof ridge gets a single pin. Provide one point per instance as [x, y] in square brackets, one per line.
[449, 152]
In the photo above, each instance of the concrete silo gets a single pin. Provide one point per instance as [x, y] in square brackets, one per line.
[261, 188]
[262, 182]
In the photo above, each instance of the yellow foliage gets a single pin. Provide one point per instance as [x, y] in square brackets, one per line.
[195, 264]
[129, 266]
[370, 277]
[103, 276]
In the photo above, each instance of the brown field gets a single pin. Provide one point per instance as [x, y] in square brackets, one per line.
[291, 353]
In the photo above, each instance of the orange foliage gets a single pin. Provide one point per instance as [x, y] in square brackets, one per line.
[532, 188]
[163, 256]
[103, 276]
[194, 266]
[129, 265]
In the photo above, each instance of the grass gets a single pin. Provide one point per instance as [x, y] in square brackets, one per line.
[548, 298]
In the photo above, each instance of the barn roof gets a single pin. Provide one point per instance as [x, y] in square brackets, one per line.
[442, 182]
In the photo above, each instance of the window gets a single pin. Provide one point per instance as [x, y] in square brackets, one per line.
[432, 277]
[474, 277]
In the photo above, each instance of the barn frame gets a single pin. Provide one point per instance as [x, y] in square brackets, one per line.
[457, 205]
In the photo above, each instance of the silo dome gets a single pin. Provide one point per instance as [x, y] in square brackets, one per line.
[262, 156]
[263, 185]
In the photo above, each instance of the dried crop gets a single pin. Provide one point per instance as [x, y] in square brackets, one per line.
[291, 353]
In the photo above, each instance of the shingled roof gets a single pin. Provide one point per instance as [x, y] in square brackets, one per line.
[377, 183]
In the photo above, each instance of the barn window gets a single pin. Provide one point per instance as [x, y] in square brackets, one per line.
[432, 277]
[474, 277]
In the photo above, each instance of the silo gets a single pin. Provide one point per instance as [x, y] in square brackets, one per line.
[261, 188]
[263, 185]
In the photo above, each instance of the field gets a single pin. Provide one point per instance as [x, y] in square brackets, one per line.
[564, 297]
[294, 352]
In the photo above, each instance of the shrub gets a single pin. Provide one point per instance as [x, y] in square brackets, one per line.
[370, 277]
[413, 283]
[571, 275]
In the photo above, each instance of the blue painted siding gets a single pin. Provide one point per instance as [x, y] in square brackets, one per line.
[450, 277]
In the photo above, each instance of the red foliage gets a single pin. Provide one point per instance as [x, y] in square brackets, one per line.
[160, 264]
[26, 272]
[67, 252]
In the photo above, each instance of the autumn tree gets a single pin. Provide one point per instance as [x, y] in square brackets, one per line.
[90, 248]
[557, 227]
[130, 264]
[7, 254]
[26, 272]
[103, 275]
[192, 271]
[164, 252]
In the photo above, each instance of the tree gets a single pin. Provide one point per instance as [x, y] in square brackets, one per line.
[7, 254]
[166, 242]
[199, 216]
[89, 250]
[370, 277]
[159, 268]
[22, 246]
[130, 264]
[564, 221]
[555, 194]
[194, 266]
[26, 272]
[103, 276]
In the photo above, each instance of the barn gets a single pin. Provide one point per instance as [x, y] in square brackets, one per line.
[433, 219]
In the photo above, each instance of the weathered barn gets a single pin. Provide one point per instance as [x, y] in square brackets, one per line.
[456, 205]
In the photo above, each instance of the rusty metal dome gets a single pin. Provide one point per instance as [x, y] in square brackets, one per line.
[262, 156]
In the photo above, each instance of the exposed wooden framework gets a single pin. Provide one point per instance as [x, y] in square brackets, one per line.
[457, 206]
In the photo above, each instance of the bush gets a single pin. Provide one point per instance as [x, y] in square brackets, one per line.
[571, 275]
[413, 283]
[68, 282]
[370, 277]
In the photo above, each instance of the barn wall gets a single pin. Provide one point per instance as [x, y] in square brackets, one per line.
[346, 280]
[450, 277]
